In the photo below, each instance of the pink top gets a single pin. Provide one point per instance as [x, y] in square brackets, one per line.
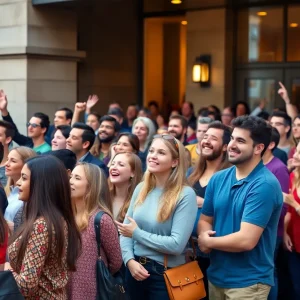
[82, 284]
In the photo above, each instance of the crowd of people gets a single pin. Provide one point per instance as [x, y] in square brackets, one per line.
[225, 182]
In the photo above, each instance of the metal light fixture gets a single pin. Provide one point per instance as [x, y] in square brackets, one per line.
[201, 70]
[261, 13]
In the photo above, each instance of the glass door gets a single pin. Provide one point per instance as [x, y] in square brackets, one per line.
[292, 81]
[255, 85]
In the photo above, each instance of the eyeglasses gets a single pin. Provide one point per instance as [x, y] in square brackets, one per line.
[33, 125]
[167, 137]
[277, 124]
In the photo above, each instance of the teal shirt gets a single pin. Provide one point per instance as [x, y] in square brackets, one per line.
[42, 148]
[256, 199]
[153, 239]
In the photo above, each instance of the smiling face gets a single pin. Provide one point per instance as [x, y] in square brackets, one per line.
[24, 184]
[14, 164]
[212, 144]
[141, 131]
[120, 170]
[123, 145]
[106, 132]
[78, 183]
[159, 159]
[59, 141]
[241, 147]
[34, 129]
[175, 128]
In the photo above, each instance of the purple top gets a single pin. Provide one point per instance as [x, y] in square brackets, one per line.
[280, 170]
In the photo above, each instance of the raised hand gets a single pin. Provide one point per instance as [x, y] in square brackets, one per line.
[283, 93]
[91, 101]
[3, 101]
[80, 106]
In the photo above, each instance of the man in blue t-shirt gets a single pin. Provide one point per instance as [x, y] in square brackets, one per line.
[240, 215]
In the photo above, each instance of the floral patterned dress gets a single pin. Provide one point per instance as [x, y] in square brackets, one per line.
[40, 278]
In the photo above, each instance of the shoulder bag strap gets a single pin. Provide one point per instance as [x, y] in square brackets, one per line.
[166, 256]
[97, 229]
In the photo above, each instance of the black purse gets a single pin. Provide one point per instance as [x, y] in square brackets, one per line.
[109, 287]
[9, 289]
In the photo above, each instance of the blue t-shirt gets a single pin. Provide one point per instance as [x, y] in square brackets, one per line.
[256, 199]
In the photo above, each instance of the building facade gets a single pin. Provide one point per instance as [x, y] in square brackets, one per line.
[56, 52]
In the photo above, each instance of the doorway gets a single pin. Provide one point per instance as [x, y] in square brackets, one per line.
[165, 62]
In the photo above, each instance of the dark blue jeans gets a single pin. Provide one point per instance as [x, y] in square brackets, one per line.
[152, 288]
[294, 268]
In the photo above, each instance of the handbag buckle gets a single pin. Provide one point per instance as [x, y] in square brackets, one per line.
[143, 260]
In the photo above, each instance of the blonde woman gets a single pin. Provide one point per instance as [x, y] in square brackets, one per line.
[90, 194]
[15, 162]
[125, 173]
[159, 220]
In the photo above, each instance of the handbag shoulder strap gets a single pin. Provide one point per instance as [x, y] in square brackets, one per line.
[194, 252]
[97, 229]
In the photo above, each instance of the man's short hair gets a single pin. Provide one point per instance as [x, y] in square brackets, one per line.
[65, 130]
[88, 134]
[45, 122]
[9, 129]
[68, 112]
[226, 130]
[260, 132]
[66, 156]
[117, 126]
[275, 137]
[116, 112]
[182, 119]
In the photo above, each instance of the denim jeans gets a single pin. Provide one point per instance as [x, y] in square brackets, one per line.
[152, 288]
[294, 269]
[274, 289]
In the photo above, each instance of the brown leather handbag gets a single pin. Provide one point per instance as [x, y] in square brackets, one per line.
[185, 282]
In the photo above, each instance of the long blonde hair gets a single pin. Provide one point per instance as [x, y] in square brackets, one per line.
[25, 153]
[173, 186]
[97, 193]
[136, 167]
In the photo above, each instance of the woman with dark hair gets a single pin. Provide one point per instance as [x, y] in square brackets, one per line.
[45, 248]
[241, 108]
[3, 240]
[125, 142]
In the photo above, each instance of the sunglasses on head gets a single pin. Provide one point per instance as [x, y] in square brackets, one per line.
[167, 137]
[33, 125]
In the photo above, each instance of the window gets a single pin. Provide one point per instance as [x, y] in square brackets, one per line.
[293, 33]
[260, 35]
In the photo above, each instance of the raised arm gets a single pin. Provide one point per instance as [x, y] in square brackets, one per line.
[290, 108]
[78, 109]
[19, 138]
